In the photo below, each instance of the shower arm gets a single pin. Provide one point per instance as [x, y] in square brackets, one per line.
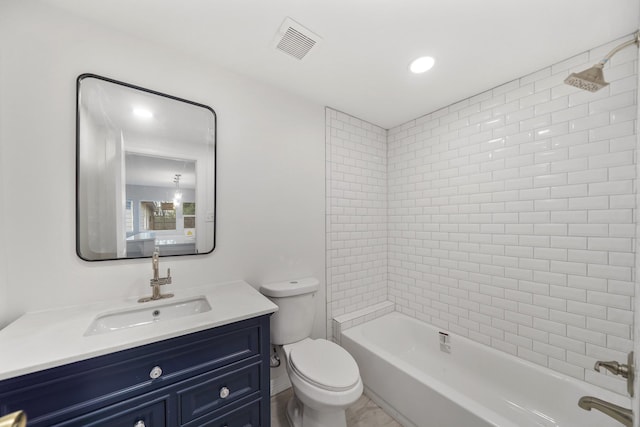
[636, 40]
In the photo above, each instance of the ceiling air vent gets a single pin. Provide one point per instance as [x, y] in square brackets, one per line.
[295, 40]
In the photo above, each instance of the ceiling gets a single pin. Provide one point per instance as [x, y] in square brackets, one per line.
[109, 106]
[360, 66]
[159, 172]
[112, 103]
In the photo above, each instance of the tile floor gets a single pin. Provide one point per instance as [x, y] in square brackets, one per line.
[363, 413]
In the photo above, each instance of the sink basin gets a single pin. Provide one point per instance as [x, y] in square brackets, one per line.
[146, 314]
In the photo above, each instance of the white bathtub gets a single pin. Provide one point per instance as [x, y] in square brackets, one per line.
[404, 371]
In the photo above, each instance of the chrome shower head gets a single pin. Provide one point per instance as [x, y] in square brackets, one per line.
[591, 79]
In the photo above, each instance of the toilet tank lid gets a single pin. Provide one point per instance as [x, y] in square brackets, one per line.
[290, 287]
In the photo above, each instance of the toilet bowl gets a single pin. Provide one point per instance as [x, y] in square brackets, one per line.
[325, 377]
[325, 380]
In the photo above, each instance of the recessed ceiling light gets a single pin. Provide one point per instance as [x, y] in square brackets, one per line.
[143, 113]
[422, 64]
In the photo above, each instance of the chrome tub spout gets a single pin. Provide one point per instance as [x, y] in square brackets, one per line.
[625, 416]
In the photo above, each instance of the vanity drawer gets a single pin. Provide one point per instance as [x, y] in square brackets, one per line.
[145, 411]
[210, 392]
[87, 385]
[247, 415]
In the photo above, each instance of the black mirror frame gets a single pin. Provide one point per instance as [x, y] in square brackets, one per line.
[175, 98]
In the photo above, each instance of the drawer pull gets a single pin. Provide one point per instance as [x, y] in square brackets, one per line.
[139, 424]
[224, 392]
[155, 373]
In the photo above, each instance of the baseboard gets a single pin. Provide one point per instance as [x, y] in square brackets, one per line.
[279, 384]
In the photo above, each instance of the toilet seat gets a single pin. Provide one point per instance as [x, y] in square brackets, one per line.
[324, 364]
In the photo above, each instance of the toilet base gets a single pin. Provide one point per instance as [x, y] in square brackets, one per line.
[300, 415]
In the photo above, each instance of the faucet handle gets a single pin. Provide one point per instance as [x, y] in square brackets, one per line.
[168, 273]
[613, 367]
[625, 371]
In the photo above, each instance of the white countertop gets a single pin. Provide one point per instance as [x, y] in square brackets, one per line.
[45, 339]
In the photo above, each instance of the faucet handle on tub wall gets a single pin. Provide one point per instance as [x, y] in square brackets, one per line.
[625, 371]
[613, 367]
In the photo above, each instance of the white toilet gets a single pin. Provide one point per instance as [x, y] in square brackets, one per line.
[324, 376]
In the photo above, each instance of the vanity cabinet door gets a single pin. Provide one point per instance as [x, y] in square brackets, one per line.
[152, 410]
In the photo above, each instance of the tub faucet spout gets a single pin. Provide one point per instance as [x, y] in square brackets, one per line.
[618, 413]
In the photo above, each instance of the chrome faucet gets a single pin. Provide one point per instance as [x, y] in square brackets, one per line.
[625, 416]
[157, 281]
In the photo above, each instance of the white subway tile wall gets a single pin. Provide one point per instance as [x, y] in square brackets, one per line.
[507, 217]
[511, 218]
[356, 205]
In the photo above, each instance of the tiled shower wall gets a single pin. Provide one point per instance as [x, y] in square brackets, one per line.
[356, 214]
[511, 217]
[507, 217]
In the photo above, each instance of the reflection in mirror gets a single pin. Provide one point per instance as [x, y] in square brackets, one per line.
[156, 205]
[145, 172]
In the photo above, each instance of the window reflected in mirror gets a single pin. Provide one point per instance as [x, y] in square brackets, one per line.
[157, 216]
[189, 215]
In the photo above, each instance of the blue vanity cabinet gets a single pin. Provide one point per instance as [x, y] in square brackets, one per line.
[217, 377]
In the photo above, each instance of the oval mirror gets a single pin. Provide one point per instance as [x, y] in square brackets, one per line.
[145, 172]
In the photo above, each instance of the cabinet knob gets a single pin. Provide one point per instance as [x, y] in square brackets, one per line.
[139, 424]
[224, 392]
[155, 373]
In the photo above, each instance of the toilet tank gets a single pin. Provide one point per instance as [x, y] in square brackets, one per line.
[296, 309]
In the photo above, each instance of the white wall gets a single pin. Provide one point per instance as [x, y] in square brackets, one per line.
[635, 401]
[4, 294]
[512, 217]
[356, 214]
[270, 207]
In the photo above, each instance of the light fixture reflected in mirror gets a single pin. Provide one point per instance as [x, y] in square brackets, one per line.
[142, 113]
[177, 196]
